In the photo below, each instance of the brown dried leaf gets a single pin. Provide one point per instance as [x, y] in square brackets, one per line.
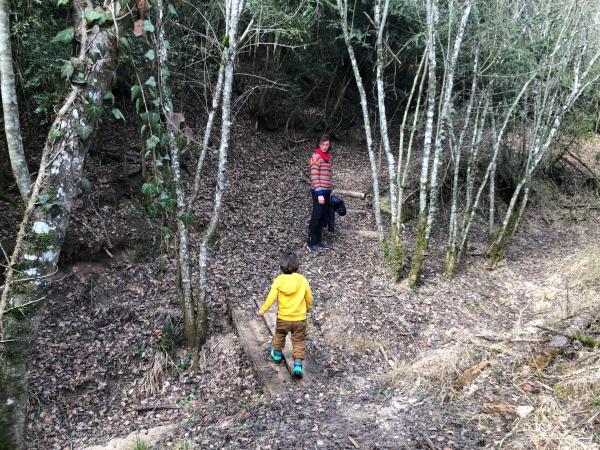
[543, 359]
[138, 27]
[467, 376]
[143, 7]
[175, 120]
[527, 387]
[503, 409]
[189, 134]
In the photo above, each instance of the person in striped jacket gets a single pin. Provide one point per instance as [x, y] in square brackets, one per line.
[320, 188]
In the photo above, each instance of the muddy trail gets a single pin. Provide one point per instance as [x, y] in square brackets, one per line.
[101, 373]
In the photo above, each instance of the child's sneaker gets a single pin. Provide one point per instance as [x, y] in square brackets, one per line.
[312, 248]
[297, 369]
[324, 246]
[276, 355]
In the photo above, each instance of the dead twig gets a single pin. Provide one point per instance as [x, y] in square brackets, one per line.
[353, 442]
[587, 340]
[140, 409]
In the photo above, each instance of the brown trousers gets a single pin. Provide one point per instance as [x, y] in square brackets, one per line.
[298, 330]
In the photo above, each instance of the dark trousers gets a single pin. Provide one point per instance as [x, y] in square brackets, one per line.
[319, 217]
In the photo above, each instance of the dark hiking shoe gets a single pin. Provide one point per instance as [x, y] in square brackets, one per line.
[275, 355]
[297, 369]
[324, 246]
[312, 248]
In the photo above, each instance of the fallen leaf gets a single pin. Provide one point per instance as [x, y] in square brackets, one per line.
[189, 134]
[524, 410]
[175, 120]
[503, 409]
[543, 359]
[467, 376]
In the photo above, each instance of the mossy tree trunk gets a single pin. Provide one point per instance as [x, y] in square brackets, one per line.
[421, 242]
[42, 231]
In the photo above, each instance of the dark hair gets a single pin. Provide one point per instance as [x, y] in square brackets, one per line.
[288, 261]
[324, 138]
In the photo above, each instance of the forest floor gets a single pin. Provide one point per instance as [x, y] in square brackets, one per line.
[390, 358]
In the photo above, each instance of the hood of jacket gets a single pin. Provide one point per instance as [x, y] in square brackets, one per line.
[290, 283]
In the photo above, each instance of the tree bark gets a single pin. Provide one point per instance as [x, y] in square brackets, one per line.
[40, 238]
[444, 119]
[12, 127]
[343, 10]
[421, 243]
[234, 10]
[380, 20]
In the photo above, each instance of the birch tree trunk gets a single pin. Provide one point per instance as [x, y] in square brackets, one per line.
[234, 9]
[343, 10]
[402, 176]
[444, 119]
[10, 108]
[184, 269]
[35, 257]
[421, 243]
[471, 209]
[545, 134]
[380, 20]
[450, 262]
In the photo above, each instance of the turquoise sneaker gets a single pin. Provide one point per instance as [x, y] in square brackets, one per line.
[297, 369]
[276, 355]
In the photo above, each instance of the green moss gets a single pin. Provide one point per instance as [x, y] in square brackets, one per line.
[51, 193]
[23, 312]
[418, 254]
[588, 341]
[393, 255]
[450, 263]
[41, 241]
[23, 288]
[503, 239]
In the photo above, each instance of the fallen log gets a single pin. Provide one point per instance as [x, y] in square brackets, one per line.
[354, 194]
[364, 233]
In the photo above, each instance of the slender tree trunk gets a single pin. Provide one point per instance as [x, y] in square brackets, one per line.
[492, 191]
[207, 131]
[234, 9]
[444, 119]
[184, 270]
[471, 209]
[421, 243]
[582, 80]
[35, 257]
[402, 176]
[380, 20]
[450, 263]
[343, 10]
[12, 128]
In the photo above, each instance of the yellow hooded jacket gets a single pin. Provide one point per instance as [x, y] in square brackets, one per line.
[293, 294]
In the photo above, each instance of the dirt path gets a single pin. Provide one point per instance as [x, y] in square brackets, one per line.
[365, 332]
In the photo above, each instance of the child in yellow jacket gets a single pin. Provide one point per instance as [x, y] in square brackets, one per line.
[292, 291]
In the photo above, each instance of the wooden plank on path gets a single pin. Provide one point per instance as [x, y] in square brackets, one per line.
[255, 340]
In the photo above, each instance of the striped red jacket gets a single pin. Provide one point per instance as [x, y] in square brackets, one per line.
[320, 175]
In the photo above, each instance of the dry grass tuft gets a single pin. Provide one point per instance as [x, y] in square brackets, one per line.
[583, 269]
[152, 379]
[440, 366]
[551, 426]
